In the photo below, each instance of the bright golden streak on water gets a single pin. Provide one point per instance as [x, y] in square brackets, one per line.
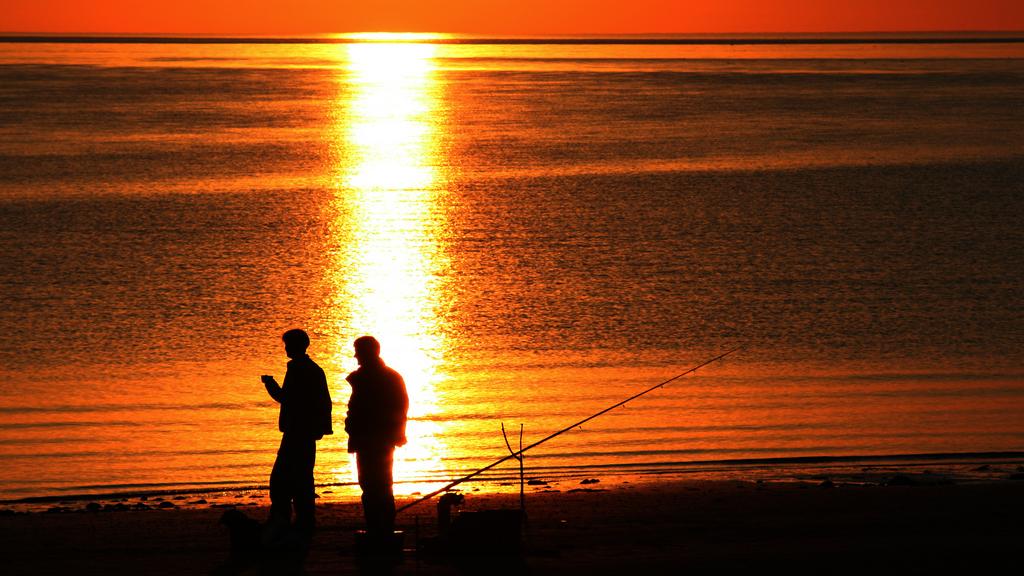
[388, 251]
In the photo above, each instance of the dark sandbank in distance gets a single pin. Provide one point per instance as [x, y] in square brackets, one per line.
[638, 39]
[653, 528]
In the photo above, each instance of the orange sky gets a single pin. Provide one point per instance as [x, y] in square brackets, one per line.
[506, 16]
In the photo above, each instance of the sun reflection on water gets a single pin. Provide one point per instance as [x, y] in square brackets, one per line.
[388, 249]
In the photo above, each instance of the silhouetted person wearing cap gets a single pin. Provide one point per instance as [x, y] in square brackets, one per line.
[305, 418]
[376, 425]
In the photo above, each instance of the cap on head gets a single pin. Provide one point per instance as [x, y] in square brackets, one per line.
[367, 347]
[296, 339]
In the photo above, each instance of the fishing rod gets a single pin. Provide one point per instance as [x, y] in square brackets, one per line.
[563, 431]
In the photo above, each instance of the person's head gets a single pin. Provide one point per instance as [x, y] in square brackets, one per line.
[367, 349]
[295, 343]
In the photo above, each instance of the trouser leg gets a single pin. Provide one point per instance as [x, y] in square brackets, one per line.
[292, 480]
[375, 479]
[280, 489]
[305, 495]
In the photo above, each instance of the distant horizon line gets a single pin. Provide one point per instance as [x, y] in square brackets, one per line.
[703, 38]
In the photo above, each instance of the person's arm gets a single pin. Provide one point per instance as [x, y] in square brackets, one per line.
[401, 411]
[273, 388]
[324, 406]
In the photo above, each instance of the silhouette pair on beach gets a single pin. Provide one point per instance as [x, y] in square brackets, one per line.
[375, 424]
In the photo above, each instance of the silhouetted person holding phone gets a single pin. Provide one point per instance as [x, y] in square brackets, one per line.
[376, 425]
[305, 418]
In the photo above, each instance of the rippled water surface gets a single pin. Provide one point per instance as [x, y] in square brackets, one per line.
[533, 232]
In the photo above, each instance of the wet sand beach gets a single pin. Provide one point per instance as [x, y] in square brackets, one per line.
[658, 528]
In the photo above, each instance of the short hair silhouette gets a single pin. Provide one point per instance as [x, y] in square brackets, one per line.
[296, 338]
[367, 344]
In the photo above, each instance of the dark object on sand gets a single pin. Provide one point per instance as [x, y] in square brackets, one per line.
[468, 535]
[374, 545]
[244, 534]
[590, 481]
[488, 533]
[901, 480]
[827, 483]
[444, 511]
[272, 551]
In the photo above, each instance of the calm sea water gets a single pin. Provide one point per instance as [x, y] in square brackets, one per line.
[534, 232]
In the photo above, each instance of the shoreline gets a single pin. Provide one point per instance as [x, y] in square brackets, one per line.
[926, 469]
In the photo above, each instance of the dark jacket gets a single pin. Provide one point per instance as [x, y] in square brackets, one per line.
[377, 408]
[305, 400]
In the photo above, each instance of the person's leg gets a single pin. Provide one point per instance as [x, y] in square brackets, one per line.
[281, 490]
[387, 512]
[365, 469]
[374, 467]
[280, 486]
[379, 491]
[304, 493]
